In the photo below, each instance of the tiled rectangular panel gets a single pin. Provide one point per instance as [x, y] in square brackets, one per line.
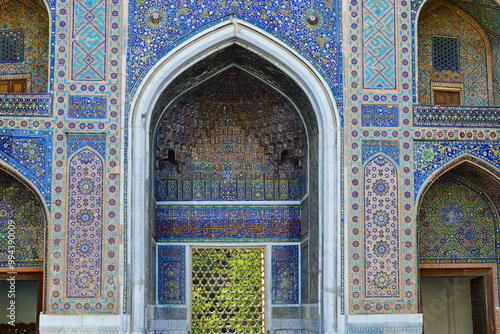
[89, 40]
[285, 260]
[171, 275]
[181, 223]
[381, 116]
[87, 107]
[379, 45]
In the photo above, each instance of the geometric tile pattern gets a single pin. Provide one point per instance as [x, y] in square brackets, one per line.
[85, 225]
[285, 274]
[11, 46]
[222, 223]
[379, 45]
[171, 275]
[79, 140]
[39, 105]
[61, 71]
[180, 188]
[155, 30]
[391, 24]
[89, 40]
[495, 56]
[21, 205]
[381, 230]
[87, 107]
[429, 156]
[383, 116]
[456, 223]
[230, 139]
[370, 148]
[29, 152]
[35, 61]
[456, 116]
[472, 72]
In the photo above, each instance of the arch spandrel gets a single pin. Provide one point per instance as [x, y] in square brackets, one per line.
[22, 211]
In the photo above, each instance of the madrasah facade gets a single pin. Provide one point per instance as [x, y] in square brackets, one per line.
[237, 166]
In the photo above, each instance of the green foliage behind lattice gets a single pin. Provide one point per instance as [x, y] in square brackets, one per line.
[228, 290]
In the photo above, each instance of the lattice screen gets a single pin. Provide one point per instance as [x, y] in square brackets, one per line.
[228, 290]
[445, 53]
[11, 46]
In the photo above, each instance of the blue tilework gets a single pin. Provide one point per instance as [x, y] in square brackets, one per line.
[379, 45]
[381, 230]
[285, 274]
[79, 140]
[87, 107]
[372, 147]
[278, 223]
[29, 152]
[171, 275]
[430, 156]
[89, 40]
[379, 116]
[39, 105]
[85, 225]
[158, 27]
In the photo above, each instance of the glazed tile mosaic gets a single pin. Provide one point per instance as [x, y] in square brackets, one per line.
[85, 225]
[381, 116]
[372, 147]
[379, 270]
[215, 143]
[379, 44]
[219, 143]
[21, 205]
[473, 64]
[78, 140]
[381, 233]
[30, 154]
[430, 156]
[39, 105]
[35, 26]
[89, 40]
[456, 223]
[285, 274]
[171, 275]
[225, 223]
[87, 107]
[456, 116]
[310, 27]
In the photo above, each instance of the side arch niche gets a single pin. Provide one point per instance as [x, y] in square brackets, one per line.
[458, 241]
[237, 154]
[22, 250]
[24, 39]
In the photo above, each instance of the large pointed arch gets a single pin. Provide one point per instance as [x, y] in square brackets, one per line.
[140, 126]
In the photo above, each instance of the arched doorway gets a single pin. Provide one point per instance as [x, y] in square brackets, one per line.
[22, 255]
[458, 251]
[233, 47]
[230, 166]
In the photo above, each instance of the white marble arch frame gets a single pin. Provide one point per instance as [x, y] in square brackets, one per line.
[198, 47]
